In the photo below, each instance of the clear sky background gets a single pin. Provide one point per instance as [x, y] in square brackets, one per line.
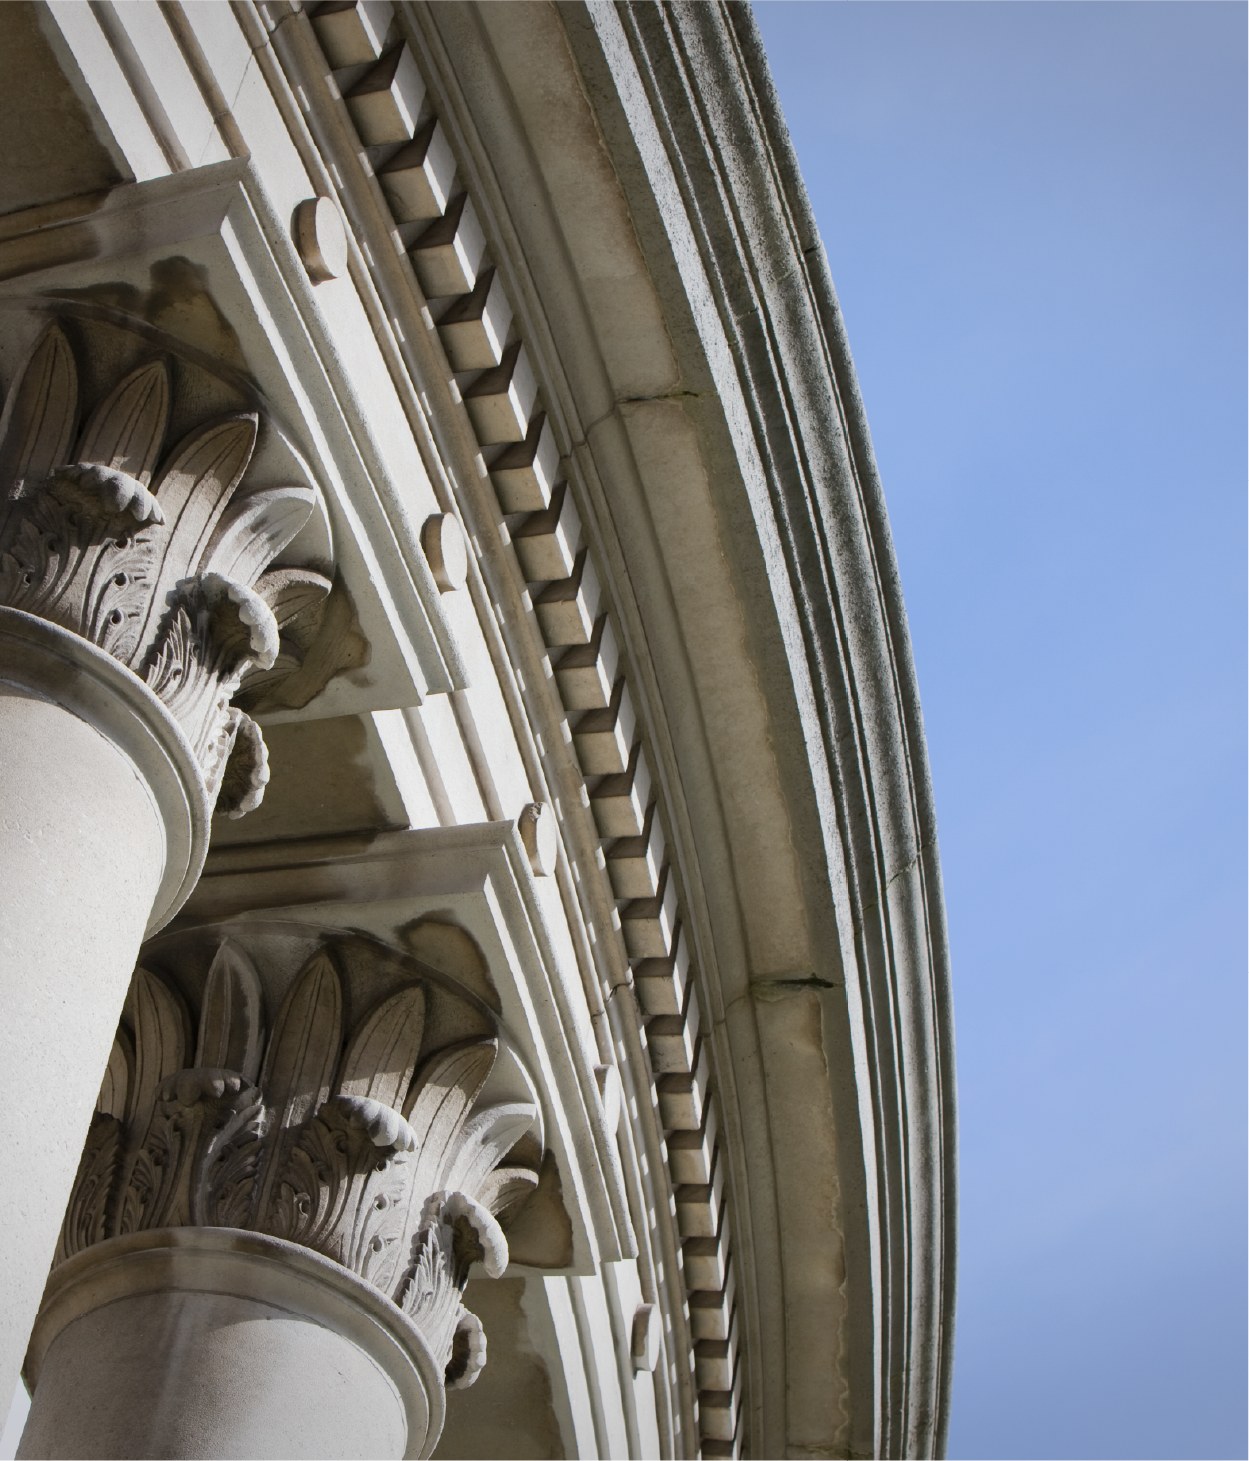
[1034, 214]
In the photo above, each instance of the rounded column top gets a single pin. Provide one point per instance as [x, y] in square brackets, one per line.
[259, 1268]
[41, 659]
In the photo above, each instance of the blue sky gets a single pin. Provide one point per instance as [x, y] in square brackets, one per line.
[1034, 214]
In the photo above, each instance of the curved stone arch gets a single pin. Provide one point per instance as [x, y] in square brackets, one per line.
[736, 370]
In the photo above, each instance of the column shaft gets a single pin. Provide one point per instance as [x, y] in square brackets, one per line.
[82, 851]
[211, 1342]
[103, 826]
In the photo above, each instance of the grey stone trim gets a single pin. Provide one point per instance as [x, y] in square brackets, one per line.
[726, 147]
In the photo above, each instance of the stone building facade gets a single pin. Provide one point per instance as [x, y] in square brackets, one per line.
[473, 951]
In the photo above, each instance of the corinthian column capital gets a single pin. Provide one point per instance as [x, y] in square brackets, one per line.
[154, 551]
[353, 1142]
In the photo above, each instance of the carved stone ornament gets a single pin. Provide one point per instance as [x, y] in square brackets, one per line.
[351, 1147]
[156, 554]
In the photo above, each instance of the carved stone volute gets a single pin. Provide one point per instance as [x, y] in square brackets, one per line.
[349, 1145]
[156, 555]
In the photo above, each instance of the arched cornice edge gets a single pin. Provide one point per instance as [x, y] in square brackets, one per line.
[714, 106]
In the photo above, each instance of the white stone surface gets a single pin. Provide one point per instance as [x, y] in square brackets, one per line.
[683, 372]
[82, 850]
[207, 1342]
[15, 1423]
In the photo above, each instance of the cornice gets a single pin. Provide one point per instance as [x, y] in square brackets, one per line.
[748, 256]
[763, 365]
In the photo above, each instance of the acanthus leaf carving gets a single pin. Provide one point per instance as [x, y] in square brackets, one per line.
[258, 525]
[37, 424]
[346, 1143]
[160, 1044]
[290, 592]
[193, 491]
[164, 580]
[304, 1049]
[455, 1232]
[381, 1056]
[86, 1218]
[341, 1191]
[118, 1077]
[320, 638]
[244, 766]
[81, 555]
[224, 1196]
[215, 631]
[200, 1111]
[231, 1026]
[484, 1141]
[127, 428]
[505, 1190]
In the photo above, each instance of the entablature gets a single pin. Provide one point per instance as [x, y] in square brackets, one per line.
[616, 683]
